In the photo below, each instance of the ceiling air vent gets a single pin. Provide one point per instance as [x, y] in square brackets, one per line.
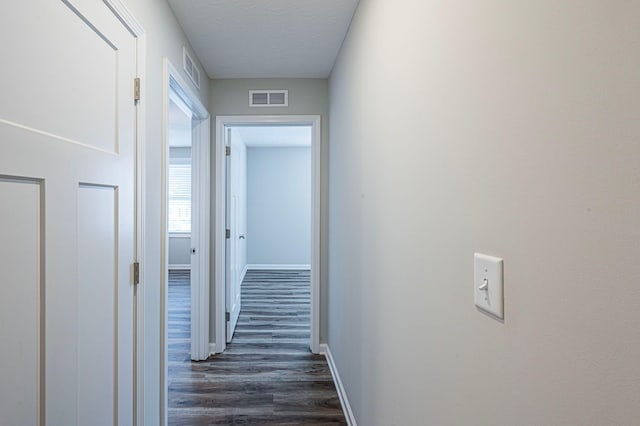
[268, 98]
[190, 68]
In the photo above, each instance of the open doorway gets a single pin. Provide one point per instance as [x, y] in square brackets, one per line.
[267, 215]
[185, 282]
[268, 249]
[179, 208]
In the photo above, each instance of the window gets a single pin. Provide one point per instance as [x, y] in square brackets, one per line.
[179, 197]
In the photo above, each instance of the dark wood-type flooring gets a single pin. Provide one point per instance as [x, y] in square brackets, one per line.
[267, 375]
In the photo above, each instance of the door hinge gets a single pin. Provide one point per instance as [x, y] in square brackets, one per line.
[136, 273]
[136, 89]
[227, 316]
[227, 150]
[227, 233]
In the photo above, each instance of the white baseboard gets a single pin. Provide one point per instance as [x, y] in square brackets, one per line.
[180, 267]
[244, 272]
[346, 407]
[272, 266]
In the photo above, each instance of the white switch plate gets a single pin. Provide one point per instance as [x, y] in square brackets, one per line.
[487, 273]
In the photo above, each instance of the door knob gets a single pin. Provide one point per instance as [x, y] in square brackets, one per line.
[241, 236]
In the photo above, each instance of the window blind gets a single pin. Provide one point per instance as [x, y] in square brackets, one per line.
[179, 197]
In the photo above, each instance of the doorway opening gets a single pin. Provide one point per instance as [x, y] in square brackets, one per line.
[179, 208]
[267, 226]
[184, 331]
[268, 249]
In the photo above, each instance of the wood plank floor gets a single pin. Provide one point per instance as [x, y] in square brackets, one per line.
[267, 375]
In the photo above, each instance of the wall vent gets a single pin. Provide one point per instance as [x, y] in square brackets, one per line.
[268, 98]
[190, 67]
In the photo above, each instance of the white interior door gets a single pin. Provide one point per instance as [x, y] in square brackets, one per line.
[199, 275]
[233, 301]
[67, 143]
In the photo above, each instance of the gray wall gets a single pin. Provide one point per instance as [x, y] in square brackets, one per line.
[306, 97]
[506, 128]
[179, 250]
[180, 155]
[279, 206]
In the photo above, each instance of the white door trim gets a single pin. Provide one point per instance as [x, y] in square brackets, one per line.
[135, 28]
[199, 293]
[219, 290]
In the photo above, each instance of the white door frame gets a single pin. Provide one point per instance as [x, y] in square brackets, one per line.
[230, 282]
[135, 28]
[173, 82]
[219, 291]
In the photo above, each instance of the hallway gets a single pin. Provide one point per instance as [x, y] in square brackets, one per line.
[267, 374]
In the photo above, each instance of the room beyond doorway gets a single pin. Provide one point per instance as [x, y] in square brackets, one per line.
[267, 209]
[268, 205]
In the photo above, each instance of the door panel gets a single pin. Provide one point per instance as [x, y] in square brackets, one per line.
[228, 244]
[61, 72]
[67, 131]
[233, 299]
[20, 317]
[97, 314]
[234, 292]
[235, 258]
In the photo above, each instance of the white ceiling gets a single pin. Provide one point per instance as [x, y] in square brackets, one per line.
[274, 136]
[265, 38]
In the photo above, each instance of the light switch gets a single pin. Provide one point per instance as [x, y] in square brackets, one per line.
[488, 284]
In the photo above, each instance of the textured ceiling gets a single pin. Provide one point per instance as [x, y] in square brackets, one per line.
[275, 136]
[265, 38]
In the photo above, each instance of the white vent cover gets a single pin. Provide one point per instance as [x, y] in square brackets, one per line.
[190, 68]
[268, 98]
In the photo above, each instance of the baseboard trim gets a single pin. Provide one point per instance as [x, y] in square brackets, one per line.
[272, 266]
[244, 273]
[346, 407]
[180, 267]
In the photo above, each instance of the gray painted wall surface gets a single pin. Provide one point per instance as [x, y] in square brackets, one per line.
[179, 250]
[279, 206]
[306, 97]
[506, 128]
[179, 155]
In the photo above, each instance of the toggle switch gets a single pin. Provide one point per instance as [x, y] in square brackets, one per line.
[488, 286]
[485, 285]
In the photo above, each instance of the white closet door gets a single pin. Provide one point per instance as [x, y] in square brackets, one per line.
[67, 143]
